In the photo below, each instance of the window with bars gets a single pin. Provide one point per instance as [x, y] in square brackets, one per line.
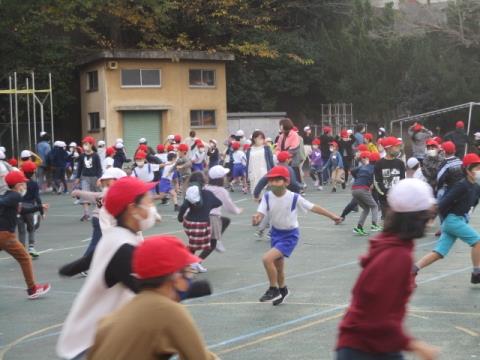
[202, 78]
[141, 78]
[202, 118]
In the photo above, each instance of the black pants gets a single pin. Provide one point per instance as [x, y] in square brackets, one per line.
[347, 164]
[352, 205]
[59, 178]
[352, 354]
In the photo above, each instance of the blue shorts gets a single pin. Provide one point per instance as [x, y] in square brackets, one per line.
[238, 170]
[197, 167]
[453, 227]
[164, 186]
[284, 241]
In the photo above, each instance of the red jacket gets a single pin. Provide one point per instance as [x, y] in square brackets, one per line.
[374, 321]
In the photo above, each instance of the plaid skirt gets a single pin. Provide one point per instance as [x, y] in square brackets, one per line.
[198, 233]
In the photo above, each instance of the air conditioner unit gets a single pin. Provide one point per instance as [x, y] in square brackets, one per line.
[112, 65]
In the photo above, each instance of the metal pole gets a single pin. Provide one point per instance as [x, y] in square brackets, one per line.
[51, 103]
[28, 116]
[11, 114]
[42, 117]
[16, 111]
[34, 110]
[401, 129]
[469, 121]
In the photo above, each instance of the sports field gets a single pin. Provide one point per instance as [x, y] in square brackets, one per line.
[444, 309]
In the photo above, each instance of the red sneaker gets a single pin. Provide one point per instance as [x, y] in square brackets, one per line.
[38, 290]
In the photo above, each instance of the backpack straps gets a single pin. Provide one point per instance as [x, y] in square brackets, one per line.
[294, 202]
[266, 200]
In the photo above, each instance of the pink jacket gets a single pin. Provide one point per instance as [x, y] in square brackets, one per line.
[292, 141]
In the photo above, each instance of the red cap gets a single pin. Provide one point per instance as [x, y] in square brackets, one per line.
[471, 159]
[28, 167]
[449, 147]
[368, 136]
[362, 147]
[200, 144]
[13, 162]
[246, 147]
[161, 148]
[344, 134]
[124, 192]
[278, 171]
[170, 148]
[178, 139]
[432, 142]
[161, 255]
[88, 139]
[295, 129]
[438, 139]
[327, 129]
[110, 151]
[391, 141]
[374, 156]
[183, 147]
[459, 124]
[316, 142]
[380, 141]
[15, 177]
[142, 147]
[141, 155]
[334, 143]
[283, 156]
[235, 145]
[417, 127]
[365, 155]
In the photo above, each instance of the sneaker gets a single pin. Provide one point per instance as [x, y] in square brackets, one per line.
[33, 253]
[176, 208]
[84, 274]
[38, 290]
[438, 233]
[284, 294]
[76, 202]
[359, 231]
[220, 248]
[320, 188]
[165, 201]
[271, 294]
[334, 190]
[317, 183]
[199, 268]
[259, 234]
[85, 218]
[375, 228]
[343, 186]
[475, 279]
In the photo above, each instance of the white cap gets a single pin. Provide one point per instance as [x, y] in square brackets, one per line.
[349, 131]
[57, 143]
[2, 155]
[25, 154]
[62, 144]
[171, 137]
[410, 195]
[307, 128]
[42, 133]
[2, 149]
[217, 172]
[119, 145]
[268, 139]
[108, 161]
[193, 194]
[73, 144]
[119, 140]
[412, 162]
[213, 141]
[240, 133]
[113, 173]
[142, 141]
[382, 129]
[477, 135]
[101, 143]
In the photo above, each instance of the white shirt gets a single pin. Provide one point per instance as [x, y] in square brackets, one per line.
[239, 157]
[281, 216]
[145, 173]
[162, 157]
[168, 171]
[199, 157]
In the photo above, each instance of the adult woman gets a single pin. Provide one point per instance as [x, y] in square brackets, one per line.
[289, 140]
[259, 159]
[373, 325]
[109, 284]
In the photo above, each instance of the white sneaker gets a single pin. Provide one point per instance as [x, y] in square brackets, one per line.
[317, 183]
[259, 234]
[220, 248]
[84, 274]
[320, 188]
[76, 202]
[198, 267]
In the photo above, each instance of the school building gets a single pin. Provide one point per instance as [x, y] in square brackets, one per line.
[131, 94]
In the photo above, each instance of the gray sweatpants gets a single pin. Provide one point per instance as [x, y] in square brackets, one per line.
[366, 202]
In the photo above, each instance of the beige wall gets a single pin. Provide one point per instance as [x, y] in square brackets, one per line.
[174, 94]
[93, 101]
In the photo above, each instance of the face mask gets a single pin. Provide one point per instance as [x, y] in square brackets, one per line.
[432, 152]
[277, 190]
[331, 149]
[147, 223]
[139, 163]
[23, 191]
[394, 153]
[365, 161]
[183, 294]
[477, 177]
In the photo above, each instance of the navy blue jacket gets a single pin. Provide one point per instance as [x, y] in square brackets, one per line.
[460, 199]
[363, 175]
[58, 157]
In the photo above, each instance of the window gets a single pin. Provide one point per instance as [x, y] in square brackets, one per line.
[92, 80]
[202, 118]
[202, 78]
[141, 78]
[94, 121]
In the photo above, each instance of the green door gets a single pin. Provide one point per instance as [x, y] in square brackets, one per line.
[138, 124]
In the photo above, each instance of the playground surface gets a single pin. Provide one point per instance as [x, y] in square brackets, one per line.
[320, 274]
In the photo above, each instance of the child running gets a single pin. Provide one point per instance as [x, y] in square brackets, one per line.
[281, 206]
[166, 182]
[316, 164]
[335, 165]
[239, 164]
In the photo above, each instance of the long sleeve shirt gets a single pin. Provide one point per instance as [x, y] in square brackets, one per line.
[33, 194]
[227, 203]
[334, 161]
[10, 207]
[363, 176]
[459, 199]
[89, 165]
[199, 213]
[387, 174]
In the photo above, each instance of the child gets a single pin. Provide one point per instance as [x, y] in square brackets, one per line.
[213, 154]
[455, 208]
[183, 167]
[196, 223]
[281, 206]
[26, 222]
[218, 223]
[109, 161]
[335, 164]
[372, 328]
[361, 192]
[199, 156]
[10, 208]
[161, 154]
[369, 142]
[144, 171]
[166, 182]
[316, 164]
[239, 165]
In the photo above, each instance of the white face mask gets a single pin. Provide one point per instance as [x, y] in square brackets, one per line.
[201, 151]
[149, 222]
[23, 192]
[365, 161]
[331, 149]
[432, 152]
[477, 177]
[139, 163]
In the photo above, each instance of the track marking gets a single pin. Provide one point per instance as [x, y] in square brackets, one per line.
[280, 334]
[255, 303]
[418, 316]
[467, 331]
